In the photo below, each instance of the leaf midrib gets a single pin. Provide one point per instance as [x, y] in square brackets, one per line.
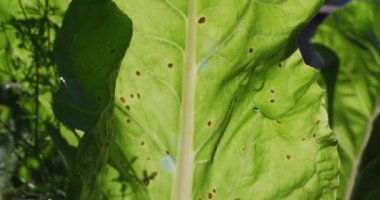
[182, 180]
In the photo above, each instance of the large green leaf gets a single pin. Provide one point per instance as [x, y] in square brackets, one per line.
[349, 41]
[213, 101]
[94, 37]
[201, 88]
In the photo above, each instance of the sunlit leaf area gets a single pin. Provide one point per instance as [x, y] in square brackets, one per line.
[189, 99]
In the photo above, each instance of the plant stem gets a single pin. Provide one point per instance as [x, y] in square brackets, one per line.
[183, 175]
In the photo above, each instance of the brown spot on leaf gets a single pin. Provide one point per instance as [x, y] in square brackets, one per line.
[170, 65]
[127, 107]
[138, 73]
[128, 121]
[209, 195]
[243, 149]
[167, 152]
[303, 139]
[318, 121]
[202, 20]
[122, 99]
[132, 96]
[214, 190]
[142, 143]
[138, 95]
[278, 122]
[112, 51]
[279, 65]
[250, 50]
[154, 174]
[288, 157]
[272, 91]
[209, 123]
[314, 135]
[272, 100]
[148, 158]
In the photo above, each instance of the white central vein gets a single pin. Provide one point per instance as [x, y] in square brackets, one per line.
[183, 175]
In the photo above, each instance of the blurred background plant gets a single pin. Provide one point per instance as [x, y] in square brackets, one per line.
[31, 166]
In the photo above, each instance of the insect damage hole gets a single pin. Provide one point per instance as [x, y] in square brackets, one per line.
[202, 20]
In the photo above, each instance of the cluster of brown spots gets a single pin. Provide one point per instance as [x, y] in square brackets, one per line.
[138, 95]
[127, 107]
[122, 99]
[209, 195]
[138, 73]
[142, 143]
[250, 50]
[288, 157]
[112, 51]
[170, 65]
[202, 20]
[272, 100]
